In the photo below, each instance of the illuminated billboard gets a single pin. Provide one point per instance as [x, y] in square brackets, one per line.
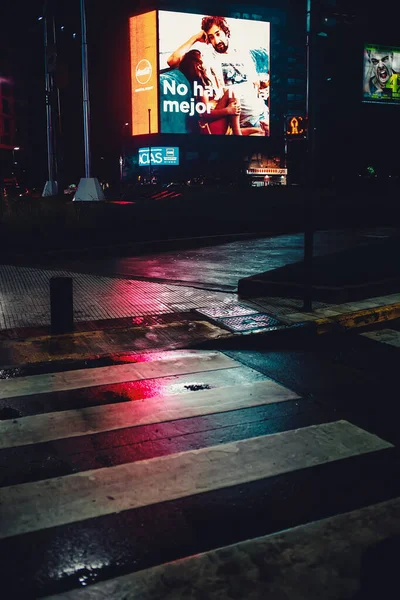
[144, 76]
[213, 74]
[158, 155]
[381, 74]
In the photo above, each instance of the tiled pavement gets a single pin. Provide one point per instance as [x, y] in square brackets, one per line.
[25, 299]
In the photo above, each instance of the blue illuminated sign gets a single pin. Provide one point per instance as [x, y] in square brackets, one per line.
[160, 155]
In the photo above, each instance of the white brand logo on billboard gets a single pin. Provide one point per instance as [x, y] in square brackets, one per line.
[143, 71]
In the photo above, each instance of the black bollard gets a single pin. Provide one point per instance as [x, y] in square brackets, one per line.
[61, 305]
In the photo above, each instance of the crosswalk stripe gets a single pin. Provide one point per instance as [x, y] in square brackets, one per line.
[194, 362]
[317, 560]
[387, 336]
[49, 503]
[96, 419]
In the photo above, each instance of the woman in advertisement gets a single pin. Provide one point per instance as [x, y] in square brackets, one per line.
[223, 113]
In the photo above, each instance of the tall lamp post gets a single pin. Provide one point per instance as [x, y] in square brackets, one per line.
[89, 187]
[310, 190]
[51, 187]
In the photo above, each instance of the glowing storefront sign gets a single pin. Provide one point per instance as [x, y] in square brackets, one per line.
[160, 155]
[266, 171]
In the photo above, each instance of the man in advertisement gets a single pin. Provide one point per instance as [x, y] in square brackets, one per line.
[234, 70]
[382, 81]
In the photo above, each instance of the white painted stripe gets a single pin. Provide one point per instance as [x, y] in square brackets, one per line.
[42, 504]
[317, 560]
[95, 419]
[386, 336]
[83, 378]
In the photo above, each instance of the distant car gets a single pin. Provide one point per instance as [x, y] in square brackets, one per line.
[15, 191]
[70, 190]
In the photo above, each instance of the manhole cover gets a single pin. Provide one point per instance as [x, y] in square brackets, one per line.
[249, 322]
[219, 312]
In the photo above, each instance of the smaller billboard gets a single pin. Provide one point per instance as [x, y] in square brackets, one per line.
[381, 74]
[160, 155]
[144, 77]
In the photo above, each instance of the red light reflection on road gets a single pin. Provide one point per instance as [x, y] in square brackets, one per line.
[145, 388]
[136, 357]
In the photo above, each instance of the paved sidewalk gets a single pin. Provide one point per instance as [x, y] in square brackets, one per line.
[116, 316]
[25, 297]
[115, 312]
[25, 300]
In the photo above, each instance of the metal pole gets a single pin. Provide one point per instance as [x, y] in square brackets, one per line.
[285, 139]
[149, 111]
[59, 158]
[49, 116]
[309, 191]
[85, 89]
[54, 105]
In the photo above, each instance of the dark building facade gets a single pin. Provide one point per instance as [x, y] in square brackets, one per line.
[12, 117]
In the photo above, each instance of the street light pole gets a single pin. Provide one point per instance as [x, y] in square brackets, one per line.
[89, 187]
[310, 188]
[85, 89]
[51, 187]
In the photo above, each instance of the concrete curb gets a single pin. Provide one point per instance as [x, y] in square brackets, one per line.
[359, 318]
[297, 333]
[304, 330]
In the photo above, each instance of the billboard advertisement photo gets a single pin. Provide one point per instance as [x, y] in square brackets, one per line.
[214, 74]
[381, 74]
[199, 74]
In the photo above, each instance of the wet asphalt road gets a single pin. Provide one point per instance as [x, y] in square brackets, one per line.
[348, 377]
[220, 265]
